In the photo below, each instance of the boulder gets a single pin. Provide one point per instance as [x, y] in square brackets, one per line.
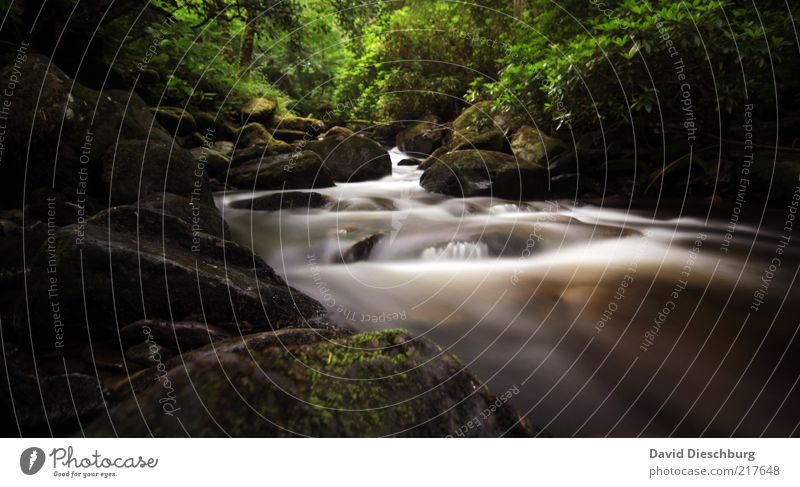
[215, 163]
[213, 124]
[295, 170]
[475, 119]
[353, 159]
[56, 119]
[435, 156]
[133, 169]
[492, 139]
[161, 259]
[290, 136]
[285, 200]
[308, 383]
[338, 133]
[409, 161]
[484, 173]
[260, 110]
[534, 146]
[310, 126]
[422, 137]
[176, 120]
[253, 134]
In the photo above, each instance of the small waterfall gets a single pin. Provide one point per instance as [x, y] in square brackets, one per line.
[457, 251]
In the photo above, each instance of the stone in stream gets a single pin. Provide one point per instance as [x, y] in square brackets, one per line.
[353, 159]
[313, 384]
[360, 249]
[215, 125]
[409, 161]
[130, 263]
[180, 335]
[295, 170]
[435, 156]
[310, 126]
[214, 162]
[493, 139]
[284, 200]
[422, 137]
[485, 173]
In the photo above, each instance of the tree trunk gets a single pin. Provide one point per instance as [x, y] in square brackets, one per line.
[519, 8]
[248, 38]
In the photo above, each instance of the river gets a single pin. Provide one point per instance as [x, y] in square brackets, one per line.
[599, 320]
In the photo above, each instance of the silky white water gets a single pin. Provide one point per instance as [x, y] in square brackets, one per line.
[607, 321]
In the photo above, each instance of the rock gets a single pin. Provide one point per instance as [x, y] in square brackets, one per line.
[296, 170]
[176, 120]
[532, 145]
[310, 126]
[147, 354]
[134, 169]
[484, 173]
[215, 163]
[261, 110]
[284, 200]
[127, 264]
[386, 132]
[493, 139]
[338, 133]
[253, 134]
[53, 405]
[422, 137]
[214, 126]
[58, 120]
[354, 159]
[475, 119]
[360, 249]
[13, 245]
[180, 336]
[409, 161]
[62, 206]
[290, 136]
[435, 156]
[267, 385]
[224, 147]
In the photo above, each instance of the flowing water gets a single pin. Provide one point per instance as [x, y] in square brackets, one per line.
[598, 320]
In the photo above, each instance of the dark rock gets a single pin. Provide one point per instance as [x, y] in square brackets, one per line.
[296, 170]
[484, 173]
[310, 126]
[260, 110]
[58, 120]
[475, 119]
[147, 354]
[253, 134]
[129, 263]
[289, 136]
[180, 336]
[176, 120]
[266, 385]
[214, 126]
[353, 159]
[338, 133]
[361, 249]
[134, 169]
[422, 137]
[409, 161]
[13, 245]
[284, 200]
[214, 163]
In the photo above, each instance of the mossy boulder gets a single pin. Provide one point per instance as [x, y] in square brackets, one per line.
[295, 170]
[176, 120]
[162, 259]
[307, 383]
[64, 127]
[133, 169]
[261, 110]
[435, 156]
[355, 158]
[253, 134]
[215, 125]
[422, 137]
[290, 136]
[485, 173]
[534, 146]
[475, 119]
[310, 126]
[338, 133]
[492, 139]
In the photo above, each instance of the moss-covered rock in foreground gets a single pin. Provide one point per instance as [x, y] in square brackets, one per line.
[301, 382]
